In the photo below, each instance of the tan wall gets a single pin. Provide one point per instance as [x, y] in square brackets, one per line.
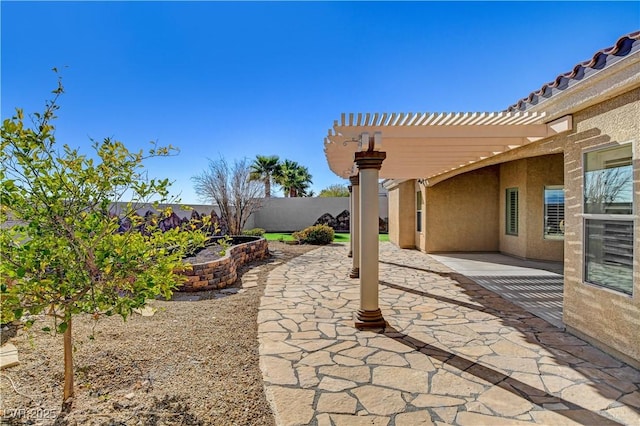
[530, 176]
[419, 237]
[547, 170]
[394, 215]
[461, 213]
[605, 317]
[514, 175]
[402, 215]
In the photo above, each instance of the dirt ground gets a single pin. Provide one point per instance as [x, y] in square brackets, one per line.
[194, 362]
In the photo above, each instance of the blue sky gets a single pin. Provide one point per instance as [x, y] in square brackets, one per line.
[237, 79]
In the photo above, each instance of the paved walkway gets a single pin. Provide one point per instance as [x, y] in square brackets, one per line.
[454, 352]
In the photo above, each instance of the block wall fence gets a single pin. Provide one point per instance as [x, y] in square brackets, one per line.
[282, 214]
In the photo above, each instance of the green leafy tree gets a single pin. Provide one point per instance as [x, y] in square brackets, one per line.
[336, 190]
[265, 168]
[294, 179]
[64, 249]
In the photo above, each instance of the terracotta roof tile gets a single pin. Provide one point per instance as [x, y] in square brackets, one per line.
[625, 45]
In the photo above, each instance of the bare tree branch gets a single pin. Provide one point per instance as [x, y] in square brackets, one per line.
[230, 188]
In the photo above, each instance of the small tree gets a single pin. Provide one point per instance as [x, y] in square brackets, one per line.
[232, 190]
[336, 190]
[64, 251]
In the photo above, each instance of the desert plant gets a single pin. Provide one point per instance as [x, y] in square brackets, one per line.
[316, 235]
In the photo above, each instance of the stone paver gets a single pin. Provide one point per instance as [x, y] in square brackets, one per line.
[8, 356]
[453, 352]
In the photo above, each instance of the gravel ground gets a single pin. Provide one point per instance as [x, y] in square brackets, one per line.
[194, 362]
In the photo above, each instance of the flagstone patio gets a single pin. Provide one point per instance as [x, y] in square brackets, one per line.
[453, 352]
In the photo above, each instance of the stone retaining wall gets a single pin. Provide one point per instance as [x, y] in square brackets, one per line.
[222, 272]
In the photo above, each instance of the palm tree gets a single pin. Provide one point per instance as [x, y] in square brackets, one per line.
[302, 183]
[294, 179]
[265, 168]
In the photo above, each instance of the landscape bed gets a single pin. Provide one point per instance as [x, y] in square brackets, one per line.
[194, 362]
[218, 272]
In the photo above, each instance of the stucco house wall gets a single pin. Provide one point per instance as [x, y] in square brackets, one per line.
[604, 317]
[402, 215]
[513, 174]
[461, 213]
[530, 176]
[547, 170]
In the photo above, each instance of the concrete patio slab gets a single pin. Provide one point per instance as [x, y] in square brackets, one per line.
[536, 286]
[453, 353]
[496, 264]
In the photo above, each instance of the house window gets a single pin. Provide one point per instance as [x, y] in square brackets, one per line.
[608, 227]
[553, 212]
[512, 211]
[419, 211]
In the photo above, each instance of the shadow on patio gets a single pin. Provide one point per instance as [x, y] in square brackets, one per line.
[454, 352]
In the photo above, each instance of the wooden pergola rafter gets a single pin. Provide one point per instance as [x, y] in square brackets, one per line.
[424, 145]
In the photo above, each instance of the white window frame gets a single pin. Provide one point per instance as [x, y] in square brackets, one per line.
[544, 205]
[633, 217]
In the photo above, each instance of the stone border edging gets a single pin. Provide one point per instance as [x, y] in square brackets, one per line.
[220, 273]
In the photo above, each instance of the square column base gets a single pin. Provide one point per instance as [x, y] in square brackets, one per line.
[355, 273]
[369, 319]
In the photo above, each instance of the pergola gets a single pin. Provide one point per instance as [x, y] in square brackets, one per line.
[367, 147]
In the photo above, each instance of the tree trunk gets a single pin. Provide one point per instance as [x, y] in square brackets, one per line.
[267, 187]
[68, 364]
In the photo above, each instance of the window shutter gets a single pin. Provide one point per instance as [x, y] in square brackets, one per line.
[512, 211]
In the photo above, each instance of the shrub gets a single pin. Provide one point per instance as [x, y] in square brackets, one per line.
[255, 232]
[299, 236]
[317, 235]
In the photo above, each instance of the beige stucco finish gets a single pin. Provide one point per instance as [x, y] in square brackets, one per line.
[514, 175]
[402, 217]
[530, 176]
[461, 214]
[542, 171]
[605, 317]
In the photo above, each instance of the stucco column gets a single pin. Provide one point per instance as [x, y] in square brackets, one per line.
[350, 221]
[369, 314]
[354, 220]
